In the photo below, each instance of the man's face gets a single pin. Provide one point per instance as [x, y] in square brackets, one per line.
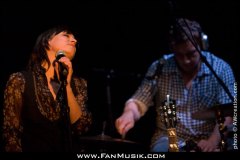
[187, 56]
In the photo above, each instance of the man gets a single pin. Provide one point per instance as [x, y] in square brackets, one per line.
[190, 83]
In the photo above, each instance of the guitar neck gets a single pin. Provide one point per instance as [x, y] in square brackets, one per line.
[173, 143]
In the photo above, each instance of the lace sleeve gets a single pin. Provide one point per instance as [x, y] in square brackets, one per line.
[83, 124]
[12, 128]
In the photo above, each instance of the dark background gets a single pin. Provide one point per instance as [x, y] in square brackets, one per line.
[118, 41]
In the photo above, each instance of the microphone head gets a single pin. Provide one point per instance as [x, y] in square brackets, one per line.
[62, 69]
[60, 54]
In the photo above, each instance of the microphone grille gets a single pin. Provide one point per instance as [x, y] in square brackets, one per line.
[60, 54]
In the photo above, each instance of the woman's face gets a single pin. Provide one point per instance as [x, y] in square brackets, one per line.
[65, 42]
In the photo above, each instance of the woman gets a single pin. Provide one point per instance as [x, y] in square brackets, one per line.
[33, 112]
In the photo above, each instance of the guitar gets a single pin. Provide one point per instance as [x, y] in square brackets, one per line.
[168, 114]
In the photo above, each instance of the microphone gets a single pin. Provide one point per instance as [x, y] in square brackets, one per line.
[63, 71]
[158, 70]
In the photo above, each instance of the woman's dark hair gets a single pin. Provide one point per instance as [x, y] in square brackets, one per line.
[39, 54]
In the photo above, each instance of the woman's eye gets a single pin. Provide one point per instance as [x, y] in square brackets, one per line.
[66, 35]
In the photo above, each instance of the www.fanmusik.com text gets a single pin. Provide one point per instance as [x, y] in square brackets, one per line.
[121, 155]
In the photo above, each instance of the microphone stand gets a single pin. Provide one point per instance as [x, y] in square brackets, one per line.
[154, 77]
[220, 119]
[109, 100]
[203, 58]
[194, 43]
[64, 109]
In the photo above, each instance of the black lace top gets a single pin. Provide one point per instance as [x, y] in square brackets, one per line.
[14, 102]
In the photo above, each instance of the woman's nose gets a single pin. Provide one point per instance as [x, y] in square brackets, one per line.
[73, 40]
